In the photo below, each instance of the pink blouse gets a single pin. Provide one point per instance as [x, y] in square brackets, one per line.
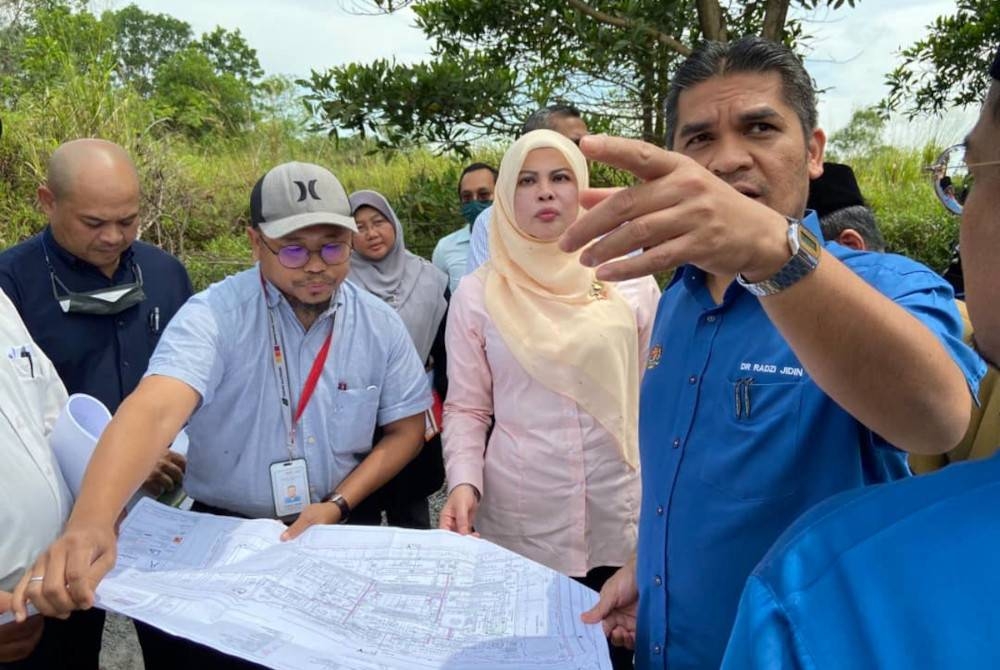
[554, 485]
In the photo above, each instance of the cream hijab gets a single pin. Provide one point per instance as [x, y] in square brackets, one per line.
[573, 334]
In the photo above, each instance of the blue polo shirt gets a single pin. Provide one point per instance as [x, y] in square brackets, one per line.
[104, 356]
[736, 441]
[896, 576]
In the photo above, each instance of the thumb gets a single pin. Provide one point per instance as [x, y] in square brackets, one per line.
[599, 611]
[296, 528]
[462, 520]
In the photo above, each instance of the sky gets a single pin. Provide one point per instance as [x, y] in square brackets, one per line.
[852, 50]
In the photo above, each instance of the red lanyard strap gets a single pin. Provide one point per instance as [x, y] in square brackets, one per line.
[313, 378]
[281, 372]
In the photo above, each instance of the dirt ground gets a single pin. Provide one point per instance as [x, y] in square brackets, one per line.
[120, 650]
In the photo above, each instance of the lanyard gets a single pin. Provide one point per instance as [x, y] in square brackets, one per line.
[284, 383]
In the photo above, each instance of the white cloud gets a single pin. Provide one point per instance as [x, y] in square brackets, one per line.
[855, 48]
[299, 36]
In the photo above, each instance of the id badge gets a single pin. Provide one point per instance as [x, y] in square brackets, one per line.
[289, 486]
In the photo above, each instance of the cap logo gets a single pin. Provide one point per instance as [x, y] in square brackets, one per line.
[304, 190]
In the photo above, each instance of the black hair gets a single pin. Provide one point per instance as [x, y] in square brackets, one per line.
[475, 167]
[856, 217]
[748, 54]
[544, 118]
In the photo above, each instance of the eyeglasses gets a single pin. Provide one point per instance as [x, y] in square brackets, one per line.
[377, 223]
[951, 178]
[295, 256]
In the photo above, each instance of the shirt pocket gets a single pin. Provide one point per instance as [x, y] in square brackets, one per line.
[355, 412]
[758, 454]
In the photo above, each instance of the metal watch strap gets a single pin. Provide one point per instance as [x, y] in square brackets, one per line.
[341, 503]
[805, 250]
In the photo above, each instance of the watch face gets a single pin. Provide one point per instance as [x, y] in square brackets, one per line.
[809, 241]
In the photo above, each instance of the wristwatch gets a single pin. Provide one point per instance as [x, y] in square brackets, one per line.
[341, 503]
[805, 250]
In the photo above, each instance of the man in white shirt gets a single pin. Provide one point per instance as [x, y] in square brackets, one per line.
[36, 500]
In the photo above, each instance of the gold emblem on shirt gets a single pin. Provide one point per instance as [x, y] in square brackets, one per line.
[598, 291]
[654, 357]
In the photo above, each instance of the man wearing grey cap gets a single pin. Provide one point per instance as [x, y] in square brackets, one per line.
[281, 372]
[902, 575]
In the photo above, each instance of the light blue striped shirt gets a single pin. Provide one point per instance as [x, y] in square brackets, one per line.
[219, 344]
[451, 255]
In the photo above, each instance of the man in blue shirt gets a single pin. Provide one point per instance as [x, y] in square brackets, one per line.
[475, 193]
[902, 575]
[95, 300]
[760, 398]
[281, 372]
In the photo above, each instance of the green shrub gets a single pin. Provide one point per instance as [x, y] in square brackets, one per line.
[911, 217]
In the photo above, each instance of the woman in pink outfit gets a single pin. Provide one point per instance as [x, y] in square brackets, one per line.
[536, 341]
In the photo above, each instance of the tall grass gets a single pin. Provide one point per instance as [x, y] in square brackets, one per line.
[899, 191]
[196, 194]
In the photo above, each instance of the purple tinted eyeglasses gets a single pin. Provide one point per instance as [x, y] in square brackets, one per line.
[295, 256]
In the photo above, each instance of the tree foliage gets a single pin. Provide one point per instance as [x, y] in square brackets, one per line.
[861, 136]
[198, 86]
[948, 67]
[494, 61]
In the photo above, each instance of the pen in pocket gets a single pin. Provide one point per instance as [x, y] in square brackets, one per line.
[742, 397]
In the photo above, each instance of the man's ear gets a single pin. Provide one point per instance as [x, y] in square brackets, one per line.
[254, 236]
[852, 239]
[46, 199]
[816, 145]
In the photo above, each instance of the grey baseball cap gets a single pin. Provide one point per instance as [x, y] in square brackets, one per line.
[297, 195]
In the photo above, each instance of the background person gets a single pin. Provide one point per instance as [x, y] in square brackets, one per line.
[534, 339]
[844, 217]
[381, 264]
[475, 193]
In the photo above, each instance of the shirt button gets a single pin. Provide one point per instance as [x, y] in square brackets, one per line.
[659, 510]
[657, 649]
[692, 379]
[125, 364]
[121, 323]
[311, 440]
[677, 442]
[710, 318]
[657, 580]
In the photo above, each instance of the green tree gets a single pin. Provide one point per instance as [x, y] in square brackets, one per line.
[496, 60]
[861, 136]
[948, 67]
[143, 42]
[199, 100]
[230, 53]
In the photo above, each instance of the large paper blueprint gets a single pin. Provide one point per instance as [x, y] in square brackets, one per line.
[348, 598]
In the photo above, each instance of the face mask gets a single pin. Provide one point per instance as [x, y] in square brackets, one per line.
[473, 208]
[103, 302]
